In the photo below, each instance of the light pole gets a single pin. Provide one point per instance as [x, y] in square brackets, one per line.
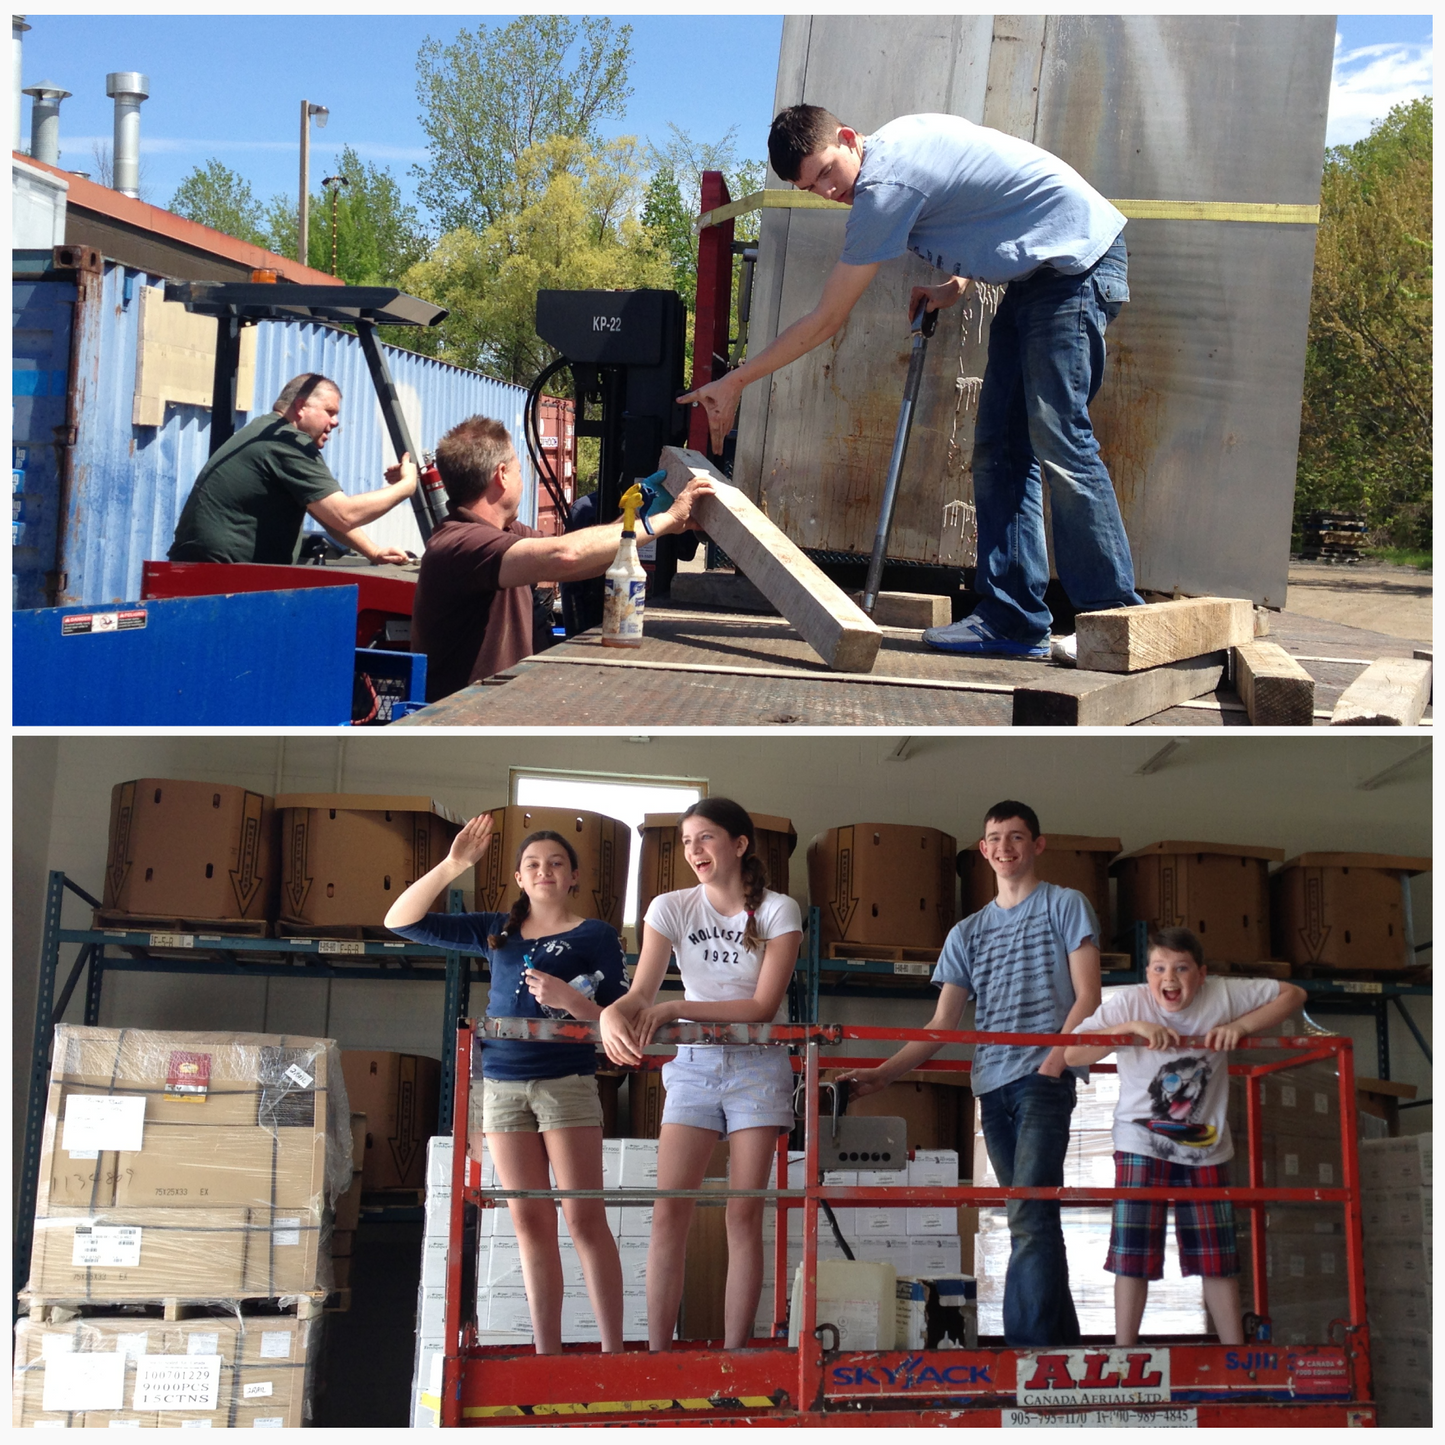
[333, 185]
[320, 113]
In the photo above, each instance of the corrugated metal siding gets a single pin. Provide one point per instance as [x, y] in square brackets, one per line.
[131, 482]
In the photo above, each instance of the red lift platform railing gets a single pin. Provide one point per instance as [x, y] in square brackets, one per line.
[770, 1385]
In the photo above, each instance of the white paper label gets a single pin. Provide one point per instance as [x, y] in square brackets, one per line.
[275, 1344]
[114, 1246]
[269, 1422]
[1291, 1164]
[133, 1346]
[123, 1424]
[56, 1345]
[177, 1382]
[1327, 1173]
[341, 945]
[83, 1153]
[85, 1382]
[103, 1121]
[285, 1231]
[173, 940]
[204, 1343]
[195, 1425]
[257, 1390]
[1322, 1103]
[1102, 1419]
[1287, 1095]
[298, 1076]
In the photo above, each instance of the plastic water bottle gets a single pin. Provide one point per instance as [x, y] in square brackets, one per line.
[585, 984]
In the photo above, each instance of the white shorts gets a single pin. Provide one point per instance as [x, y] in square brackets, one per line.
[729, 1087]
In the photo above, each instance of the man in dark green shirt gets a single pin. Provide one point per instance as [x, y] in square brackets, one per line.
[252, 496]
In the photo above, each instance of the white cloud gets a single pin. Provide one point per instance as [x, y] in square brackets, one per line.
[1371, 79]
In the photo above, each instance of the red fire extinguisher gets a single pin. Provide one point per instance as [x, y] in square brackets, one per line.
[433, 488]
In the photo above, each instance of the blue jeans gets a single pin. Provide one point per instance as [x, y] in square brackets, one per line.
[1045, 363]
[1026, 1131]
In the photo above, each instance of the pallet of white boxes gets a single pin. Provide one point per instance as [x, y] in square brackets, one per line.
[181, 1252]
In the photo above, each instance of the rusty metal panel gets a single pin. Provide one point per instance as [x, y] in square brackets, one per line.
[128, 483]
[1199, 414]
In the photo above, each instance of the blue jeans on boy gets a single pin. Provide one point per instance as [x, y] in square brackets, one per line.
[1045, 363]
[1026, 1131]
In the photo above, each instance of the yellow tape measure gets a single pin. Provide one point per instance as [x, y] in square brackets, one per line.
[1251, 211]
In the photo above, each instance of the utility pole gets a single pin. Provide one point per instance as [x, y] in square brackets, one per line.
[321, 114]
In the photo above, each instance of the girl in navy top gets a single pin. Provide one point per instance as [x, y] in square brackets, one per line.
[539, 1100]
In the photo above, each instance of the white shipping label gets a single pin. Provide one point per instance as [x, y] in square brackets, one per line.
[269, 1422]
[340, 945]
[123, 1425]
[275, 1344]
[257, 1389]
[85, 1382]
[132, 1345]
[1287, 1095]
[299, 1077]
[84, 1153]
[1322, 1103]
[103, 1121]
[195, 1425]
[1093, 1377]
[285, 1231]
[1327, 1173]
[204, 1342]
[114, 1246]
[1102, 1419]
[177, 1382]
[56, 1345]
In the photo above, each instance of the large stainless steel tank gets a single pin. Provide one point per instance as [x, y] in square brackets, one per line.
[1199, 412]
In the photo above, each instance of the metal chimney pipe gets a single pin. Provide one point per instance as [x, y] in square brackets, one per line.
[45, 121]
[18, 27]
[128, 88]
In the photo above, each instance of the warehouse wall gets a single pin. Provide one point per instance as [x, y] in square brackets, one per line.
[1269, 791]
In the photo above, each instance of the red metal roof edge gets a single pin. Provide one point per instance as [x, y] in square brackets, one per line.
[144, 217]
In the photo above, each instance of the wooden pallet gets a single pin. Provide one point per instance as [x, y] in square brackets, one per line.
[355, 932]
[1116, 962]
[169, 923]
[171, 1308]
[1265, 968]
[881, 953]
[338, 1302]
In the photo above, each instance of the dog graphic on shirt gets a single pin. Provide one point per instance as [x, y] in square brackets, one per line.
[1176, 1093]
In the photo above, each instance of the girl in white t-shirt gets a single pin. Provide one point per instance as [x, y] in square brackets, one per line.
[736, 944]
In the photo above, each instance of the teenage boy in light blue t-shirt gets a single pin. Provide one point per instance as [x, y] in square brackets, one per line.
[982, 206]
[1030, 960]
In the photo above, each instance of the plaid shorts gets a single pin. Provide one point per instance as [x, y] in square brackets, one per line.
[1205, 1231]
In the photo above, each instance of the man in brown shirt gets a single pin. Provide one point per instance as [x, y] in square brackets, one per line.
[472, 615]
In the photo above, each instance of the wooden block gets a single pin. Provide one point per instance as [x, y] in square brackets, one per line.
[1261, 621]
[727, 591]
[1390, 692]
[836, 629]
[1275, 689]
[1130, 639]
[909, 609]
[1067, 698]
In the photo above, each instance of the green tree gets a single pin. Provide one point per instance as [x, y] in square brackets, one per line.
[488, 97]
[670, 223]
[216, 196]
[378, 236]
[1366, 429]
[566, 220]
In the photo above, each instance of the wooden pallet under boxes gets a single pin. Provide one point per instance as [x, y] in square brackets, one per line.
[187, 850]
[604, 852]
[347, 857]
[1069, 860]
[1344, 910]
[184, 1165]
[664, 869]
[1218, 890]
[883, 883]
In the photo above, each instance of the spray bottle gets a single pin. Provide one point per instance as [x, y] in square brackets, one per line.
[626, 585]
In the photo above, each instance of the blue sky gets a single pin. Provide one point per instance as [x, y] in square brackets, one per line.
[230, 86]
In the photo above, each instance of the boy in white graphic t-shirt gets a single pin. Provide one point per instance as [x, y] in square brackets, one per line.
[1170, 1128]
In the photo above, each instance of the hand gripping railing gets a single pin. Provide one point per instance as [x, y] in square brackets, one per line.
[1253, 1196]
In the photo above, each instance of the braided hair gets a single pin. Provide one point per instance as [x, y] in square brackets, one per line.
[523, 906]
[734, 820]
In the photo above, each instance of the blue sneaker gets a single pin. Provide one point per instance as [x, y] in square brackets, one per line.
[975, 639]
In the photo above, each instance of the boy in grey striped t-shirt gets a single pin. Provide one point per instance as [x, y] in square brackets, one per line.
[1030, 959]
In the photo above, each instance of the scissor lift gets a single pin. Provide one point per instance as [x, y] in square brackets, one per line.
[768, 1384]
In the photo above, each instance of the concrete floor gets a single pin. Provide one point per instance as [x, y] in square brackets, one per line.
[1397, 601]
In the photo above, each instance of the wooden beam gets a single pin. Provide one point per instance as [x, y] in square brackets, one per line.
[835, 628]
[1130, 639]
[1275, 689]
[1068, 698]
[1390, 692]
[909, 610]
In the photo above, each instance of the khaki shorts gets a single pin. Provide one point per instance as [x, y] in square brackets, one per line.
[531, 1106]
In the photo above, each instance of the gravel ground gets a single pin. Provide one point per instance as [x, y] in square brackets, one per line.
[1397, 601]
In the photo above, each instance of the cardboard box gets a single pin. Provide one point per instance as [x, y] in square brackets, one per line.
[646, 1096]
[604, 853]
[1219, 890]
[1305, 1163]
[1344, 910]
[398, 1093]
[202, 1168]
[664, 869]
[36, 1344]
[1398, 1213]
[188, 850]
[1404, 1163]
[347, 857]
[1403, 1407]
[884, 883]
[1069, 860]
[348, 1206]
[1392, 1264]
